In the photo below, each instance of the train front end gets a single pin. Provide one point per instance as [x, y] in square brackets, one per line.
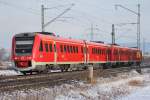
[22, 46]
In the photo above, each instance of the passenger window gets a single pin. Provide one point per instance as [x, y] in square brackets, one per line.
[50, 48]
[74, 49]
[41, 46]
[46, 47]
[98, 51]
[68, 49]
[65, 49]
[61, 48]
[71, 49]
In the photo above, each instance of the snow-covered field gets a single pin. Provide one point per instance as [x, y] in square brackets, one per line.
[127, 86]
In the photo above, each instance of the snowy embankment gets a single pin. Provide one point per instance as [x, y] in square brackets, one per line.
[9, 72]
[7, 69]
[109, 88]
[141, 94]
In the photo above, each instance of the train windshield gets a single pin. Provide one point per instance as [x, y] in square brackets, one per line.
[24, 45]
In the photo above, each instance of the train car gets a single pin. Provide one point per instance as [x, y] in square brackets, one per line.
[97, 54]
[40, 52]
[26, 49]
[43, 51]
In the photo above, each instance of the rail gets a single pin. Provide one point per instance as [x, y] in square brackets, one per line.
[11, 83]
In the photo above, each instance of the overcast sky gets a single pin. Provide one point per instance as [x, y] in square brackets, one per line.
[18, 16]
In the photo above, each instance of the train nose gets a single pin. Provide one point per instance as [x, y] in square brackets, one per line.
[23, 64]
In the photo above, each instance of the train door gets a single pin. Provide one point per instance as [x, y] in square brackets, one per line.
[117, 54]
[109, 55]
[86, 53]
[55, 52]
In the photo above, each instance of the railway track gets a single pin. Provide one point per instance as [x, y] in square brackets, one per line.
[11, 83]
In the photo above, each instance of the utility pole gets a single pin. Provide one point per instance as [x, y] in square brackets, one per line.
[43, 24]
[138, 22]
[42, 17]
[113, 34]
[139, 28]
[144, 46]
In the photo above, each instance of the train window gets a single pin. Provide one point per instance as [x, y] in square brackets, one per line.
[50, 47]
[99, 51]
[76, 49]
[71, 49]
[68, 49]
[61, 48]
[46, 47]
[65, 48]
[96, 50]
[93, 50]
[41, 46]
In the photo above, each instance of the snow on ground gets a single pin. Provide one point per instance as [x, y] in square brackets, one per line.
[9, 72]
[109, 88]
[141, 94]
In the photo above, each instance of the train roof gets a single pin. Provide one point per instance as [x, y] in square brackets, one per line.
[123, 47]
[33, 34]
[62, 39]
[53, 36]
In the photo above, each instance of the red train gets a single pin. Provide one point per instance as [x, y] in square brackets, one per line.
[41, 51]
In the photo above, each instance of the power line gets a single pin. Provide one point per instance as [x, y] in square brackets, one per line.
[58, 16]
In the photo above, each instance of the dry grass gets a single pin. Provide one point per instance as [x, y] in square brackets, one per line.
[135, 82]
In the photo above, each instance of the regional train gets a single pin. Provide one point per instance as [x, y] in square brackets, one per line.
[43, 51]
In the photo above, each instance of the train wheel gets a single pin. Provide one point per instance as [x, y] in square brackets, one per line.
[62, 69]
[47, 69]
[24, 73]
[67, 68]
